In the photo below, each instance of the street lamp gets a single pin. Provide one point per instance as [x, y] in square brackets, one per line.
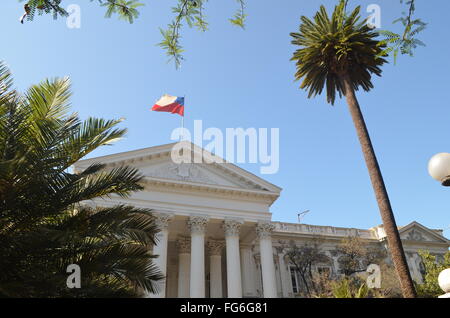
[439, 168]
[444, 282]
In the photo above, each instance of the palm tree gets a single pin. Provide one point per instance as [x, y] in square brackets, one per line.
[45, 224]
[341, 53]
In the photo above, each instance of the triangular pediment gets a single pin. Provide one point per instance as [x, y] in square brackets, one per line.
[419, 233]
[194, 172]
[157, 163]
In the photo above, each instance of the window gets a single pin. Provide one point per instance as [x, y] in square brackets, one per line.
[295, 278]
[297, 281]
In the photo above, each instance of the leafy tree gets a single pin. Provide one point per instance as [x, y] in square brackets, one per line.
[44, 223]
[340, 54]
[406, 42]
[191, 12]
[433, 266]
[304, 257]
[355, 256]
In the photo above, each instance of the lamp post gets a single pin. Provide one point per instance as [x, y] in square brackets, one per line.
[439, 169]
[444, 282]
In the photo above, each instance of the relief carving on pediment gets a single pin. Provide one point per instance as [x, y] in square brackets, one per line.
[194, 172]
[415, 235]
[183, 172]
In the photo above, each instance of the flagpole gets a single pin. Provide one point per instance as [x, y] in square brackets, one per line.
[182, 128]
[182, 123]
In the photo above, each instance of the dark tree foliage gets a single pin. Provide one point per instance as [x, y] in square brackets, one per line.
[304, 258]
[355, 256]
[45, 223]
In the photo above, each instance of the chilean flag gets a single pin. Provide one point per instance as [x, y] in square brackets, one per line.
[170, 104]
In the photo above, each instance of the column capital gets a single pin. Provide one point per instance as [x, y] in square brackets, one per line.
[184, 245]
[197, 224]
[246, 246]
[162, 220]
[215, 247]
[257, 258]
[232, 227]
[264, 230]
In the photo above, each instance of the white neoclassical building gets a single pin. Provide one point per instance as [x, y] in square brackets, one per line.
[217, 237]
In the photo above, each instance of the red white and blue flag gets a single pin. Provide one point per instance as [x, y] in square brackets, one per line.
[170, 104]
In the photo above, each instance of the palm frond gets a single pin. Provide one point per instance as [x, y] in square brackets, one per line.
[333, 46]
[45, 224]
[91, 134]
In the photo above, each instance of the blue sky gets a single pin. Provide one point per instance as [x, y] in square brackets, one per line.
[235, 78]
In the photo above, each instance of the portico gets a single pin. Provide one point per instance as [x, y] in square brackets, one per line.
[205, 259]
[212, 217]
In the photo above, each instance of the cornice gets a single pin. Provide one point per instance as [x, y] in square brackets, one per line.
[129, 156]
[427, 243]
[184, 210]
[209, 188]
[318, 236]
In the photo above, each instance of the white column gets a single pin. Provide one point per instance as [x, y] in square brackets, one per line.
[277, 276]
[264, 231]
[197, 226]
[162, 221]
[184, 266]
[284, 276]
[234, 282]
[258, 276]
[247, 269]
[215, 270]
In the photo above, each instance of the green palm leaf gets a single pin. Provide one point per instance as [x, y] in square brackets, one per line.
[45, 224]
[333, 46]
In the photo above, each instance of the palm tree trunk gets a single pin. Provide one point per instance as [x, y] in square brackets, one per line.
[390, 227]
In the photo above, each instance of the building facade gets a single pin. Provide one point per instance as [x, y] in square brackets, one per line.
[217, 237]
